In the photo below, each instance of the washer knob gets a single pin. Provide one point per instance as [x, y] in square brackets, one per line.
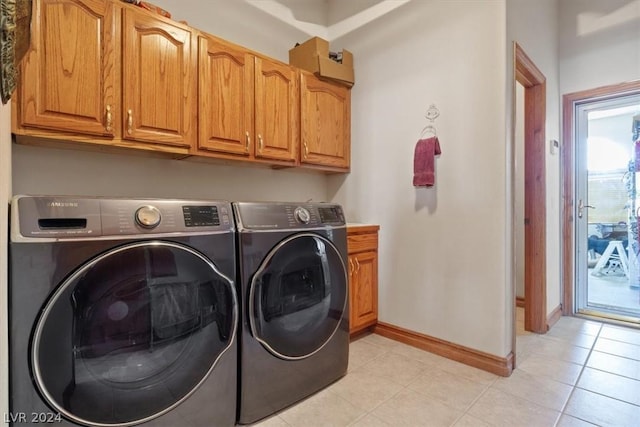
[148, 217]
[302, 215]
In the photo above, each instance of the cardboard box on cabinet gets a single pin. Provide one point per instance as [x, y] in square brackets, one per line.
[313, 55]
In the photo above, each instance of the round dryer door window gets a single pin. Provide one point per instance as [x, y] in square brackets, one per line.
[132, 333]
[298, 296]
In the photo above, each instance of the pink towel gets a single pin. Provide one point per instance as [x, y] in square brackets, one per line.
[424, 162]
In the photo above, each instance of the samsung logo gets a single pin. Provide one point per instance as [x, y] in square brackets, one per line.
[62, 204]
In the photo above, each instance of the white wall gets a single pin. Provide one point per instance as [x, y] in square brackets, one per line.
[534, 26]
[443, 263]
[50, 171]
[5, 193]
[47, 171]
[599, 43]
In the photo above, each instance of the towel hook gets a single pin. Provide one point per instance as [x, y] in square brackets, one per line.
[431, 115]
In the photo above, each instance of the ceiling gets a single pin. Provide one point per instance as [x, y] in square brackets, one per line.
[608, 17]
[329, 19]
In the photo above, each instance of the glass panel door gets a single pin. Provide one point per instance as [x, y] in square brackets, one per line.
[608, 273]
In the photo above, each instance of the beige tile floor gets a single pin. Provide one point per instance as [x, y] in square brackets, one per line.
[581, 373]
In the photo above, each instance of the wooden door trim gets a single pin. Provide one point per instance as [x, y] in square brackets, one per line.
[535, 210]
[569, 101]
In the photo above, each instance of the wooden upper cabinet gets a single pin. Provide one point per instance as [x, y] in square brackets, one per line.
[247, 105]
[107, 73]
[159, 81]
[70, 69]
[325, 123]
[276, 110]
[225, 97]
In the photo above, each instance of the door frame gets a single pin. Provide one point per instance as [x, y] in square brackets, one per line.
[569, 101]
[535, 206]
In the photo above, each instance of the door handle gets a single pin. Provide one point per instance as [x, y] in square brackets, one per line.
[109, 119]
[129, 122]
[582, 206]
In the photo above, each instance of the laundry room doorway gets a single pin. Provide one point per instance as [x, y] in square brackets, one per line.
[532, 222]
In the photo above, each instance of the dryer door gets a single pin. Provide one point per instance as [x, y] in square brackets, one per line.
[298, 296]
[132, 333]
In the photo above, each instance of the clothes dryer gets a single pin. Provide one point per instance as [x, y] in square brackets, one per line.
[122, 312]
[293, 287]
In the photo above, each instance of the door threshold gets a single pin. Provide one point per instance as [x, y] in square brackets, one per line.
[610, 318]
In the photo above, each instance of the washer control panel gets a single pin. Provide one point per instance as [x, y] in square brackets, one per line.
[67, 217]
[265, 216]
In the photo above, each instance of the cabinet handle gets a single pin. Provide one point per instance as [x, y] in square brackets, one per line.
[306, 149]
[109, 119]
[260, 142]
[357, 266]
[351, 268]
[129, 122]
[248, 139]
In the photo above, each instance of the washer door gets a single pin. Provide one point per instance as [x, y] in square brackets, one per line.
[298, 296]
[132, 333]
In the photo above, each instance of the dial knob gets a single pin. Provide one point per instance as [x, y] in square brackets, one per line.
[302, 215]
[148, 216]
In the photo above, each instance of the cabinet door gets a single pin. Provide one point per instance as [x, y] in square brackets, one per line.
[68, 76]
[159, 86]
[276, 110]
[225, 94]
[325, 123]
[364, 289]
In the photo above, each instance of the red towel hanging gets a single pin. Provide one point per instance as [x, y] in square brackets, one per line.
[424, 162]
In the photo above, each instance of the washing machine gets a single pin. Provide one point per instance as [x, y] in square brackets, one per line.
[122, 312]
[293, 288]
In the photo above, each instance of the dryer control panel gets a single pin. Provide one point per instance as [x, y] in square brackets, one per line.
[69, 217]
[282, 216]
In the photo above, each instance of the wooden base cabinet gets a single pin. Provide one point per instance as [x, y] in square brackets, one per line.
[362, 246]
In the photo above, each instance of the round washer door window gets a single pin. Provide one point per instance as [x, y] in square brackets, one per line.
[132, 333]
[298, 296]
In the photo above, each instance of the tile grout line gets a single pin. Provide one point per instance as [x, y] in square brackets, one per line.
[407, 388]
[573, 389]
[466, 411]
[387, 350]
